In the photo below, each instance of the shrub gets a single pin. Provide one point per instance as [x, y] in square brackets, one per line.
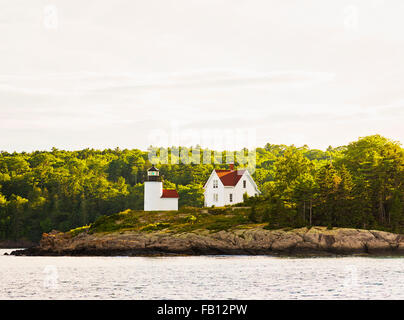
[155, 226]
[253, 216]
[190, 219]
[225, 223]
[188, 209]
[75, 232]
[218, 210]
[117, 221]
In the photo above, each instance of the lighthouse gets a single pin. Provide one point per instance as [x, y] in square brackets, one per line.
[155, 197]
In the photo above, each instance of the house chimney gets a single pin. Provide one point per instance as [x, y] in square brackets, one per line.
[231, 166]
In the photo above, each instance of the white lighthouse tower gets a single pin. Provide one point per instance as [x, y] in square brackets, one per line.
[155, 197]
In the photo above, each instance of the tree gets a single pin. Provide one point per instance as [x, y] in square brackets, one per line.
[360, 185]
[376, 164]
[17, 206]
[191, 195]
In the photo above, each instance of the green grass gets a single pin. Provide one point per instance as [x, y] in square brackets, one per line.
[75, 232]
[226, 223]
[115, 222]
[185, 220]
[155, 226]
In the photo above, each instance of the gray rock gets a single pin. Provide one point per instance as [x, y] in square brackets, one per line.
[316, 241]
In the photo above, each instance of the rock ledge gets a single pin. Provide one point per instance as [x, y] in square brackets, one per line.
[256, 241]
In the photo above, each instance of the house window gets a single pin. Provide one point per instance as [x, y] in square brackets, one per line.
[215, 184]
[244, 184]
[215, 197]
[231, 197]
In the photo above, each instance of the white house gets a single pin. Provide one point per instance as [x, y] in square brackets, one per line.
[155, 197]
[228, 187]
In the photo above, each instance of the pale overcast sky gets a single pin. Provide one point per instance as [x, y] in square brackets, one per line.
[102, 74]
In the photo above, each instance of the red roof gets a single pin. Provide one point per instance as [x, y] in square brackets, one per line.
[230, 178]
[170, 194]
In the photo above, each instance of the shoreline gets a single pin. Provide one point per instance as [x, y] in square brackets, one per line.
[303, 242]
[29, 253]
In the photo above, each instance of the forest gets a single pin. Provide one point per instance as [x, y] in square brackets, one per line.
[360, 185]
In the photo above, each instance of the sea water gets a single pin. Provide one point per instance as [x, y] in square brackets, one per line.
[200, 277]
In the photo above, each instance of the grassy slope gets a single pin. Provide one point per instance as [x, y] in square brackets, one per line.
[185, 220]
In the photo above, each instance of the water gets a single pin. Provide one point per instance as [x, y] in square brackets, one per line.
[230, 277]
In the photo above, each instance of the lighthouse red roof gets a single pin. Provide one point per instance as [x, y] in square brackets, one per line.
[167, 193]
[230, 178]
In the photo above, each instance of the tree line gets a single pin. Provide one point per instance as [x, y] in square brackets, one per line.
[360, 185]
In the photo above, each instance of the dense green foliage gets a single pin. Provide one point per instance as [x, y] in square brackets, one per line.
[360, 185]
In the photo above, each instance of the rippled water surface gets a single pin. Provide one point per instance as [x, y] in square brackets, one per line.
[232, 277]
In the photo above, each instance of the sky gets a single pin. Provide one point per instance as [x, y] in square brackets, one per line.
[130, 73]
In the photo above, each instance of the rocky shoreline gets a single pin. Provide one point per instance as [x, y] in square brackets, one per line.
[316, 241]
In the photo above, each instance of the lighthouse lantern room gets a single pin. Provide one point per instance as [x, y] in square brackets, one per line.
[153, 174]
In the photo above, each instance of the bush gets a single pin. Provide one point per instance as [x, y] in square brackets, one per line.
[218, 210]
[188, 209]
[225, 223]
[270, 226]
[123, 220]
[253, 216]
[75, 232]
[190, 219]
[155, 226]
